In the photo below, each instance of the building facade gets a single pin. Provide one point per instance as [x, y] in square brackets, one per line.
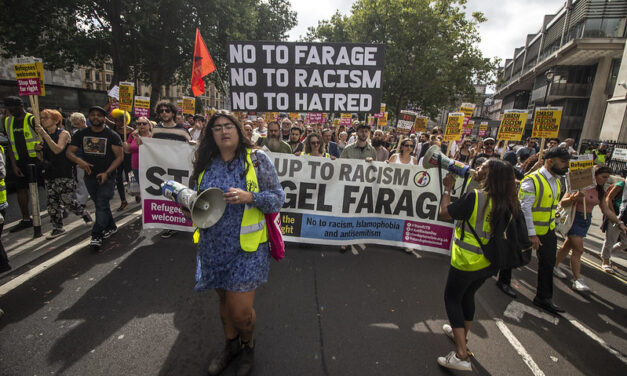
[575, 61]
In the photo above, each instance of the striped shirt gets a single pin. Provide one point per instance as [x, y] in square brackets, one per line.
[177, 133]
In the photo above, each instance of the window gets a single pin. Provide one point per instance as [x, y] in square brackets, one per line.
[88, 74]
[108, 79]
[604, 27]
[97, 76]
[108, 66]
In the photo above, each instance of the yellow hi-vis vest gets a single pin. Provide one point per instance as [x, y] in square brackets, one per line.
[3, 187]
[466, 253]
[543, 210]
[599, 158]
[253, 230]
[29, 135]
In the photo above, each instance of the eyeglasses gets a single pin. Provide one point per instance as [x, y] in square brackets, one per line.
[141, 123]
[220, 127]
[166, 110]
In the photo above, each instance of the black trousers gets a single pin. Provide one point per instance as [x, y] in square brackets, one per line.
[459, 294]
[4, 259]
[546, 261]
[505, 276]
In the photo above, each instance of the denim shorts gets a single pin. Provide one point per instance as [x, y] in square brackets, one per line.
[580, 225]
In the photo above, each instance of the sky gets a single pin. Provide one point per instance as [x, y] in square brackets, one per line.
[507, 26]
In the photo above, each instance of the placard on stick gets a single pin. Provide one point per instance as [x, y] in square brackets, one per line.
[305, 77]
[453, 130]
[580, 174]
[189, 105]
[126, 96]
[546, 122]
[406, 122]
[512, 125]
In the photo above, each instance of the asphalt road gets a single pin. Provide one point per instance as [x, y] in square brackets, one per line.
[131, 310]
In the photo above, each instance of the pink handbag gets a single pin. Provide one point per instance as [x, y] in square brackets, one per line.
[275, 236]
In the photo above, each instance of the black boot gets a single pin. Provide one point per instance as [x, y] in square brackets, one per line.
[224, 358]
[246, 361]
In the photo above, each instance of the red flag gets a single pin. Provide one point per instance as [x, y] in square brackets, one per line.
[202, 65]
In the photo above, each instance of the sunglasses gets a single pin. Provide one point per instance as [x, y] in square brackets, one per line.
[141, 123]
[488, 144]
[166, 110]
[410, 145]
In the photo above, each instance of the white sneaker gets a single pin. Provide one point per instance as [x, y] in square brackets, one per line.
[448, 330]
[558, 272]
[453, 362]
[580, 285]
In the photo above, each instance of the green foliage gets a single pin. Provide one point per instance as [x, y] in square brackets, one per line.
[431, 54]
[151, 41]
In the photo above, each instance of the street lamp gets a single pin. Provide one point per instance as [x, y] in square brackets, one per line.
[548, 76]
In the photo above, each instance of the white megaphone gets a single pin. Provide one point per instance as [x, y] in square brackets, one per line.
[434, 158]
[206, 208]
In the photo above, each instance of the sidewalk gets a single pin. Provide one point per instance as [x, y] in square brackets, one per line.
[23, 249]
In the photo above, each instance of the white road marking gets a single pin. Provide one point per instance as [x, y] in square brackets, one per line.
[516, 311]
[385, 325]
[416, 254]
[19, 280]
[598, 339]
[520, 349]
[354, 250]
[420, 327]
[361, 246]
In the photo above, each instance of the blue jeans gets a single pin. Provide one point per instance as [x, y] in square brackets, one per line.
[101, 194]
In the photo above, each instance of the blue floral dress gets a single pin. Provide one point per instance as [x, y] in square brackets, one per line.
[221, 263]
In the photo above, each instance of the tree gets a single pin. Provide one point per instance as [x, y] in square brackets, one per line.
[431, 54]
[150, 41]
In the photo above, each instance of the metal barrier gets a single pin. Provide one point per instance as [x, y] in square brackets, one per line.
[618, 167]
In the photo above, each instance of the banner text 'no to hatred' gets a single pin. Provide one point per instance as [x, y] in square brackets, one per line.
[303, 77]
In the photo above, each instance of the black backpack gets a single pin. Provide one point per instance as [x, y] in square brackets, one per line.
[509, 246]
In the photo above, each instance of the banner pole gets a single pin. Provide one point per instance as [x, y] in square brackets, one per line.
[34, 103]
[541, 148]
[585, 215]
[503, 151]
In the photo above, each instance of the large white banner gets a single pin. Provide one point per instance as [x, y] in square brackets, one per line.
[343, 201]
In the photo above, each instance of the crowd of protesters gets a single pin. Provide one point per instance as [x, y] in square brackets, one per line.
[92, 156]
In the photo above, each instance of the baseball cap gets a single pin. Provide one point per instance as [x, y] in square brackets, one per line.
[13, 101]
[98, 108]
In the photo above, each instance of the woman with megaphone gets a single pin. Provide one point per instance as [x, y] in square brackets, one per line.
[483, 209]
[234, 255]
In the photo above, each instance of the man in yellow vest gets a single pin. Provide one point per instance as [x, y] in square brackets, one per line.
[4, 260]
[22, 151]
[539, 196]
[601, 154]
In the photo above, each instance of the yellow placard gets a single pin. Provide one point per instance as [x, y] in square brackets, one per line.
[126, 96]
[453, 130]
[512, 125]
[179, 105]
[383, 108]
[336, 122]
[483, 129]
[33, 69]
[420, 124]
[546, 122]
[294, 115]
[142, 102]
[580, 165]
[468, 109]
[270, 116]
[189, 105]
[383, 121]
[346, 119]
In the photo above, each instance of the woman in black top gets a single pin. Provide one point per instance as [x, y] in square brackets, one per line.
[463, 153]
[58, 175]
[121, 173]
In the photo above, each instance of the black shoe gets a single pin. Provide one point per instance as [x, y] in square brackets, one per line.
[225, 357]
[22, 225]
[507, 289]
[96, 243]
[65, 214]
[86, 217]
[5, 268]
[167, 234]
[247, 360]
[107, 233]
[55, 233]
[548, 305]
